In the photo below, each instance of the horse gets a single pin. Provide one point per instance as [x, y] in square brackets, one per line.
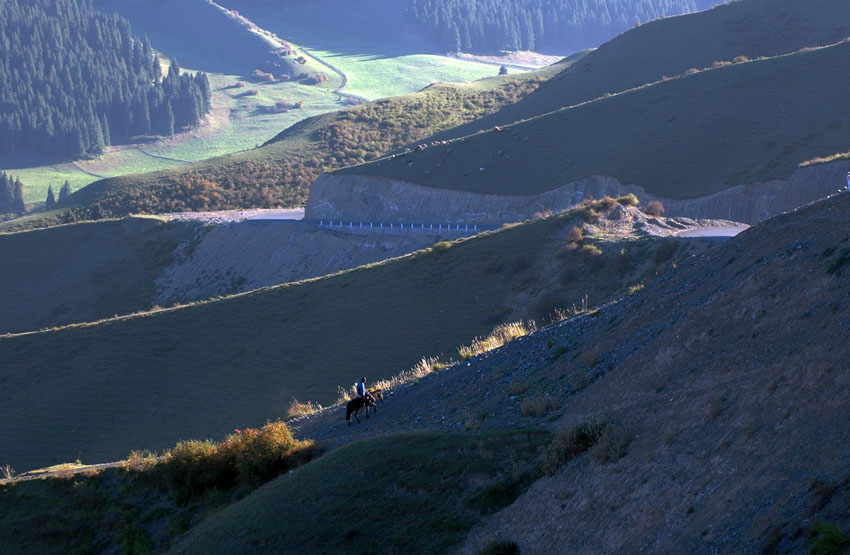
[354, 405]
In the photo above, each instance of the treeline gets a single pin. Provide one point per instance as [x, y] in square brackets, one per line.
[548, 25]
[73, 80]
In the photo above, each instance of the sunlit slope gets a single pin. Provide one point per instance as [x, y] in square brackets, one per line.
[682, 138]
[280, 173]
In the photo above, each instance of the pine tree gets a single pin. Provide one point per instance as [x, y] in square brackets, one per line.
[6, 194]
[65, 191]
[51, 199]
[18, 205]
[168, 119]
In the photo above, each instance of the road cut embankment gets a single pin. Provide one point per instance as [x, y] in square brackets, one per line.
[371, 198]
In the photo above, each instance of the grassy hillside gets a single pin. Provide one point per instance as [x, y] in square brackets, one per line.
[95, 391]
[717, 399]
[412, 493]
[281, 172]
[135, 509]
[83, 272]
[207, 35]
[685, 137]
[671, 46]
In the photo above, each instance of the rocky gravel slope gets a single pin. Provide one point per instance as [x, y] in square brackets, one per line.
[729, 380]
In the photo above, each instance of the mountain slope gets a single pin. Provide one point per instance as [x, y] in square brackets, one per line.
[280, 172]
[682, 138]
[671, 46]
[96, 391]
[724, 387]
[205, 35]
[83, 272]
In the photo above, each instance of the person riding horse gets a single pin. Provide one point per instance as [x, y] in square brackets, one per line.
[367, 400]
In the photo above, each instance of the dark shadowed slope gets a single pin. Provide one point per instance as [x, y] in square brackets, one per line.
[671, 46]
[681, 138]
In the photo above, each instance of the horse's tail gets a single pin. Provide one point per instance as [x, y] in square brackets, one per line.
[348, 411]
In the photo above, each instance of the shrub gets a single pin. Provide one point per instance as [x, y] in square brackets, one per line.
[607, 203]
[570, 443]
[297, 408]
[576, 235]
[740, 59]
[538, 406]
[654, 208]
[829, 539]
[259, 455]
[842, 259]
[261, 75]
[442, 246]
[141, 461]
[612, 446]
[498, 337]
[193, 467]
[7, 472]
[518, 388]
[635, 289]
[665, 251]
[628, 200]
[589, 252]
[246, 457]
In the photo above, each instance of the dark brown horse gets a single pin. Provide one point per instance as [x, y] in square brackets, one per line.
[354, 405]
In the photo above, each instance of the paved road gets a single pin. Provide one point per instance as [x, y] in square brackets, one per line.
[713, 231]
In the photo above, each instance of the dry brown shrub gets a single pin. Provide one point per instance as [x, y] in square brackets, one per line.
[570, 442]
[654, 208]
[538, 406]
[628, 200]
[613, 444]
[140, 461]
[576, 235]
[297, 408]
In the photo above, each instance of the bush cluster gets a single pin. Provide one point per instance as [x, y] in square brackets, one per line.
[245, 458]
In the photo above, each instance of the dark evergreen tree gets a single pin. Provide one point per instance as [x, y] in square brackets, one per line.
[6, 193]
[18, 205]
[51, 199]
[65, 191]
[73, 80]
[559, 25]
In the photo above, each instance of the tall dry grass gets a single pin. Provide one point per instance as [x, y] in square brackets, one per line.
[498, 337]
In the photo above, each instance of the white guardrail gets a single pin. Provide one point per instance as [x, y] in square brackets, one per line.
[401, 227]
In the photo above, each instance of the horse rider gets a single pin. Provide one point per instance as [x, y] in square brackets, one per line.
[361, 389]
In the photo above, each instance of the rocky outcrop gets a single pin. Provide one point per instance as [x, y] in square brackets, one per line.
[369, 198]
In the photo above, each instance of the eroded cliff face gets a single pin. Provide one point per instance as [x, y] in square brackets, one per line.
[376, 199]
